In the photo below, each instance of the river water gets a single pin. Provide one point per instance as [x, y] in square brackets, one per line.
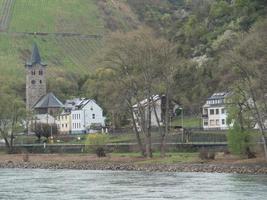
[79, 184]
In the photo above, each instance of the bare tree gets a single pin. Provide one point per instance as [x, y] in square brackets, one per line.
[12, 115]
[248, 63]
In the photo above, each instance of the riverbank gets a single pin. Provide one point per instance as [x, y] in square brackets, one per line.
[91, 162]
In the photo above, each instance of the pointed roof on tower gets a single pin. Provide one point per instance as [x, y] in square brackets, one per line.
[35, 57]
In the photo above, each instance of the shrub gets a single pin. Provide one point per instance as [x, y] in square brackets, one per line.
[96, 143]
[205, 154]
[45, 130]
[238, 140]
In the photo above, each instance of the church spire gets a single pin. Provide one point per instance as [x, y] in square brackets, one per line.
[35, 57]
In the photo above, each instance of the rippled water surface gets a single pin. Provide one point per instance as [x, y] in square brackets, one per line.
[78, 184]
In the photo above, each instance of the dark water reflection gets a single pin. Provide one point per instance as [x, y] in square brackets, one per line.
[78, 184]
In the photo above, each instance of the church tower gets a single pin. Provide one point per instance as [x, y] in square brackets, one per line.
[35, 78]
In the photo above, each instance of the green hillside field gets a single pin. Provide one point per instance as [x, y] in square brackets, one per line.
[68, 34]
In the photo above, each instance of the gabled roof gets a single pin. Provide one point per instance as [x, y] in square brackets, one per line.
[145, 101]
[48, 101]
[220, 95]
[35, 57]
[77, 103]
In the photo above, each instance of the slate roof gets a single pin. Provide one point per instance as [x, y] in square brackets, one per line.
[220, 95]
[35, 57]
[145, 101]
[48, 101]
[77, 103]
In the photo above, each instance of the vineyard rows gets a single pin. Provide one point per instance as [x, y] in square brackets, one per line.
[53, 16]
[5, 13]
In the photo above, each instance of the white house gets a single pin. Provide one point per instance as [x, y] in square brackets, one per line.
[159, 102]
[214, 113]
[85, 115]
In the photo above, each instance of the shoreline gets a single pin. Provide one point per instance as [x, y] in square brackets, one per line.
[93, 163]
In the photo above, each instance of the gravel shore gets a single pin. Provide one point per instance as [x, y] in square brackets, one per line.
[260, 168]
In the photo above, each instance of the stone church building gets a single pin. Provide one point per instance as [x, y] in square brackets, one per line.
[37, 99]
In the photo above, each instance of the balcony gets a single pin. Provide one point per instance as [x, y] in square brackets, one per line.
[205, 115]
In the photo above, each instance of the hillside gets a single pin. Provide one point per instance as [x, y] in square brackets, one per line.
[203, 31]
[68, 33]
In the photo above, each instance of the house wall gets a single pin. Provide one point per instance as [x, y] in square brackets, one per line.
[77, 122]
[82, 120]
[153, 114]
[93, 114]
[159, 114]
[64, 123]
[216, 117]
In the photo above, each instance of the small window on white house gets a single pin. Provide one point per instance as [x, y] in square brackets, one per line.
[212, 111]
[217, 122]
[223, 110]
[93, 116]
[91, 108]
[223, 121]
[66, 125]
[217, 111]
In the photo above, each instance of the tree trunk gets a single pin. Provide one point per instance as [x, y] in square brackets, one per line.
[138, 138]
[166, 131]
[162, 133]
[148, 128]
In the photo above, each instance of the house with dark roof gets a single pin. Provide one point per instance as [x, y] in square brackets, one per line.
[159, 102]
[48, 104]
[214, 113]
[81, 115]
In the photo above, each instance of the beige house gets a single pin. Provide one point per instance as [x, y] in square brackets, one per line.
[64, 123]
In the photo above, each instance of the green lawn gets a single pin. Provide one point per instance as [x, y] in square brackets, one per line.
[171, 158]
[188, 122]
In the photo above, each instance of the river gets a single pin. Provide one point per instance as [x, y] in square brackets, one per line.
[79, 184]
